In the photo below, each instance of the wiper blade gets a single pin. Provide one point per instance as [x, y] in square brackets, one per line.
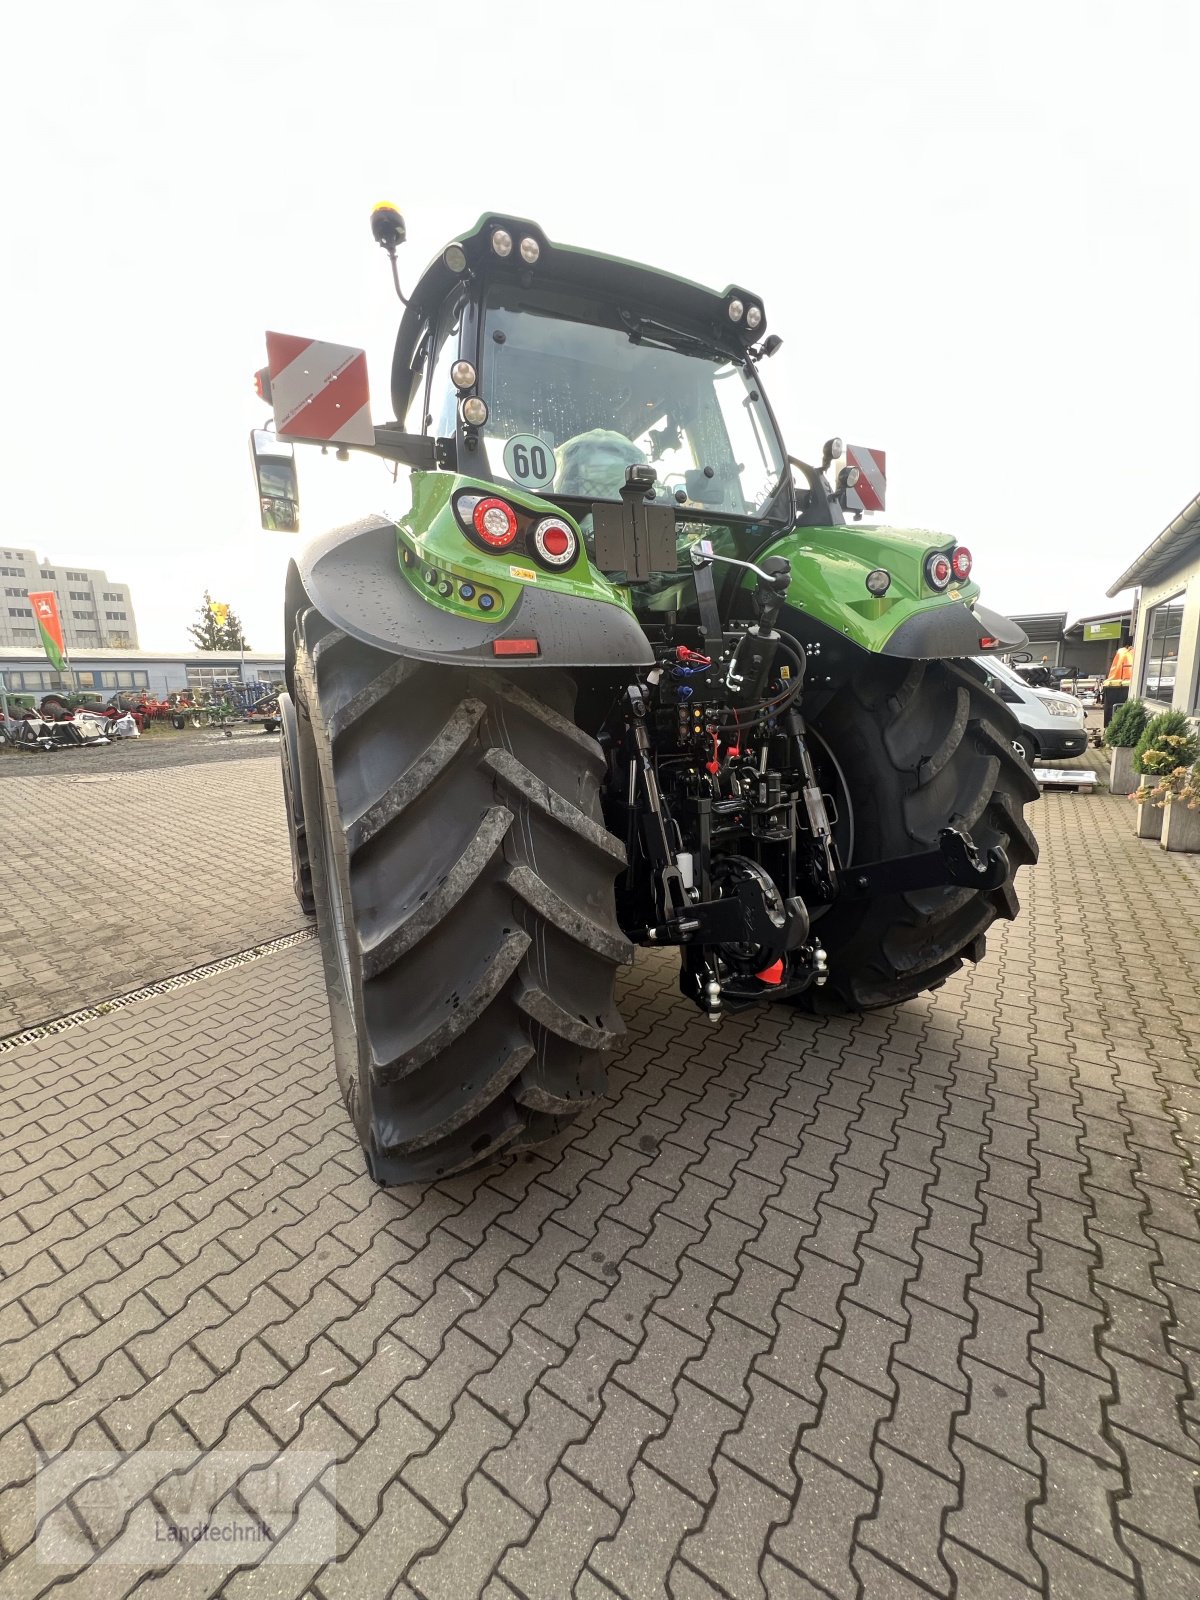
[664, 337]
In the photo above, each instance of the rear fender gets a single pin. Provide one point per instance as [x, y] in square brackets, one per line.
[911, 620]
[381, 582]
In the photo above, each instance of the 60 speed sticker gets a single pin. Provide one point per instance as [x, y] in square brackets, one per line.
[529, 461]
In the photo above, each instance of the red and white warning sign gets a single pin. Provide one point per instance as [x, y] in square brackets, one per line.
[870, 491]
[319, 391]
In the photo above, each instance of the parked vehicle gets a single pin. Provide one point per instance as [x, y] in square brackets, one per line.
[616, 679]
[1052, 725]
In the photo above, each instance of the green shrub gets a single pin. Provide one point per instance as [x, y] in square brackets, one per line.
[1127, 726]
[1167, 742]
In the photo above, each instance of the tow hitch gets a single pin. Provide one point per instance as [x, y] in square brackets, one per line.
[957, 862]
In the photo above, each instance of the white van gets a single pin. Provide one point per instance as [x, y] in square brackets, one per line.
[1052, 723]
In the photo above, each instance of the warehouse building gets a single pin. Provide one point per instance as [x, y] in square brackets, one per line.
[1166, 640]
[24, 671]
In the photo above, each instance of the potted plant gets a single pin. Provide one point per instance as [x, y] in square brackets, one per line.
[1164, 755]
[1121, 737]
[1181, 810]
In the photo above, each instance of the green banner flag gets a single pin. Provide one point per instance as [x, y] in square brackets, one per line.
[45, 609]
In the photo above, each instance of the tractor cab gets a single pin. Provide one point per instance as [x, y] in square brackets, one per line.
[553, 371]
[625, 396]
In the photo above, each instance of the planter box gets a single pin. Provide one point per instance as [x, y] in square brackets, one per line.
[1181, 829]
[1149, 821]
[1122, 779]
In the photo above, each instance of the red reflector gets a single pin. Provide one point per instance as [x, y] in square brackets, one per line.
[515, 647]
[771, 974]
[988, 643]
[556, 541]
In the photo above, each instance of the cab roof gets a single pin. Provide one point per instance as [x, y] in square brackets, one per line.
[651, 293]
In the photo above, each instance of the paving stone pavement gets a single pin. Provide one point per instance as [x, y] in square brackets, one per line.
[115, 878]
[898, 1307]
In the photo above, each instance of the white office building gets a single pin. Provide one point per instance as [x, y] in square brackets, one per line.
[96, 612]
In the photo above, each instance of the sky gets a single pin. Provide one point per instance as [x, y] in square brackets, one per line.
[975, 227]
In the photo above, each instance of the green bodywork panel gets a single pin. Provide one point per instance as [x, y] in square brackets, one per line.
[829, 573]
[829, 566]
[434, 550]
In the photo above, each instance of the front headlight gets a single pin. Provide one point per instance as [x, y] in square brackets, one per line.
[1062, 708]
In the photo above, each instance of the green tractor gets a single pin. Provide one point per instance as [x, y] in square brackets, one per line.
[618, 676]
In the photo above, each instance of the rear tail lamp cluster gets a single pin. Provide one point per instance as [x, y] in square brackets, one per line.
[941, 569]
[491, 522]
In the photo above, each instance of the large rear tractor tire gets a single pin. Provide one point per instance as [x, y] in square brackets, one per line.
[463, 880]
[920, 746]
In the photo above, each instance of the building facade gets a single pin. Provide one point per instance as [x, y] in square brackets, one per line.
[96, 612]
[1166, 639]
[25, 671]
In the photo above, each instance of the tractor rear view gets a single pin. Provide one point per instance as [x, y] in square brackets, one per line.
[622, 674]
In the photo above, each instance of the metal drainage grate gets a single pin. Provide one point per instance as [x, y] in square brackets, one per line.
[118, 1002]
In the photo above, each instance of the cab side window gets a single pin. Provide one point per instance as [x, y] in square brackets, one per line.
[443, 397]
[416, 417]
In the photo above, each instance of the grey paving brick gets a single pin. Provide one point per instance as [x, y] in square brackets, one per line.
[735, 1532]
[358, 1480]
[549, 1566]
[473, 1548]
[523, 1464]
[605, 1459]
[637, 1559]
[906, 1526]
[440, 1473]
[817, 1538]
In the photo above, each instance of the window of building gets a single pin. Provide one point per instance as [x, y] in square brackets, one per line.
[86, 680]
[117, 616]
[1164, 624]
[12, 572]
[84, 616]
[82, 594]
[20, 611]
[24, 633]
[76, 577]
[86, 636]
[46, 573]
[114, 594]
[16, 591]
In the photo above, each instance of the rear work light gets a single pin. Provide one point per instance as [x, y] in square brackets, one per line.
[495, 522]
[938, 570]
[961, 562]
[554, 542]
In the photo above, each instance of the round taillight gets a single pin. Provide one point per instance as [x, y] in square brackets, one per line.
[554, 541]
[961, 562]
[495, 522]
[938, 570]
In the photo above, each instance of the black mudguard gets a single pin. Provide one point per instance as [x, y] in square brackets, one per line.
[952, 631]
[353, 577]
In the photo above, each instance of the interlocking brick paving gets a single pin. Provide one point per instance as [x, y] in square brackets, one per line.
[900, 1306]
[115, 877]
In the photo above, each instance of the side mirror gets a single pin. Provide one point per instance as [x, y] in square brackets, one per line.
[278, 488]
